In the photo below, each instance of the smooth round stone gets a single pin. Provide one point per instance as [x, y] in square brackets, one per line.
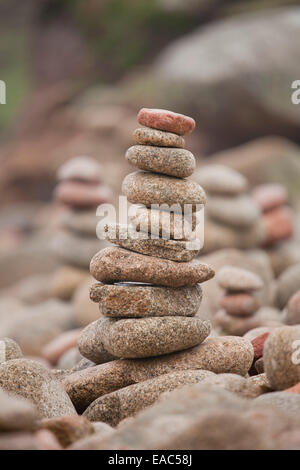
[138, 300]
[238, 279]
[91, 346]
[165, 120]
[288, 283]
[233, 383]
[148, 136]
[83, 222]
[117, 264]
[240, 211]
[68, 429]
[282, 357]
[82, 169]
[166, 160]
[286, 401]
[128, 401]
[270, 196]
[150, 188]
[293, 310]
[239, 304]
[79, 194]
[278, 224]
[219, 179]
[9, 350]
[16, 413]
[221, 354]
[151, 336]
[256, 332]
[30, 380]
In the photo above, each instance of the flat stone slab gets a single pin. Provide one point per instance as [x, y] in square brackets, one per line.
[151, 188]
[166, 160]
[148, 136]
[116, 264]
[165, 120]
[147, 337]
[138, 300]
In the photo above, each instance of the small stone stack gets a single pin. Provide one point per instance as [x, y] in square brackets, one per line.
[80, 190]
[149, 290]
[234, 217]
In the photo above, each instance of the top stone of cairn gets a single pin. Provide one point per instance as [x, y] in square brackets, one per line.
[165, 120]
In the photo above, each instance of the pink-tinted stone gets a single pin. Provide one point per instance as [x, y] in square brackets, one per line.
[239, 304]
[294, 389]
[59, 345]
[278, 224]
[165, 120]
[78, 194]
[270, 196]
[258, 345]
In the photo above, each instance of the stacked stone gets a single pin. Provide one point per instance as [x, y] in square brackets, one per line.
[234, 217]
[149, 290]
[80, 190]
[239, 304]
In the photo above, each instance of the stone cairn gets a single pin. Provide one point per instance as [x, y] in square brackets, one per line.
[80, 190]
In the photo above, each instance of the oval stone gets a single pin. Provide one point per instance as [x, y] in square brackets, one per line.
[270, 196]
[220, 179]
[78, 194]
[148, 136]
[238, 279]
[117, 264]
[91, 346]
[165, 120]
[151, 188]
[169, 161]
[239, 304]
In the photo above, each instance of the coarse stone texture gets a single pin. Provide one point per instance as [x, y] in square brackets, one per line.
[282, 357]
[147, 188]
[16, 413]
[82, 222]
[80, 168]
[261, 382]
[79, 195]
[288, 284]
[165, 120]
[90, 344]
[237, 279]
[151, 336]
[68, 429]
[165, 160]
[32, 381]
[65, 281]
[234, 325]
[239, 304]
[59, 345]
[9, 350]
[128, 401]
[240, 211]
[278, 225]
[219, 354]
[256, 332]
[270, 196]
[234, 383]
[74, 250]
[117, 264]
[148, 136]
[220, 179]
[138, 300]
[293, 310]
[286, 401]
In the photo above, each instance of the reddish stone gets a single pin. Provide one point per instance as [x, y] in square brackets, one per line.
[294, 389]
[165, 120]
[258, 345]
[270, 196]
[278, 224]
[59, 345]
[239, 304]
[77, 194]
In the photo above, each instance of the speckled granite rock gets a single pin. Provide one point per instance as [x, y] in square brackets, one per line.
[9, 350]
[256, 332]
[282, 357]
[165, 160]
[219, 179]
[234, 383]
[16, 413]
[261, 382]
[116, 406]
[283, 400]
[220, 354]
[83, 222]
[238, 279]
[117, 264]
[147, 337]
[288, 284]
[293, 310]
[31, 380]
[165, 120]
[150, 188]
[68, 429]
[81, 195]
[90, 344]
[138, 300]
[239, 211]
[148, 136]
[80, 168]
[241, 304]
